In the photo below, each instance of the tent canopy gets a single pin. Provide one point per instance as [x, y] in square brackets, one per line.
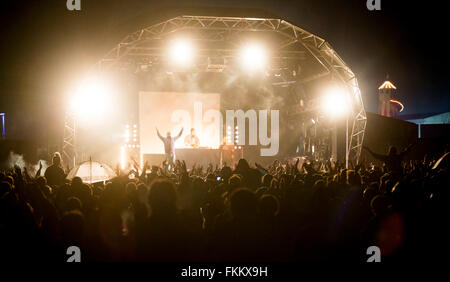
[91, 171]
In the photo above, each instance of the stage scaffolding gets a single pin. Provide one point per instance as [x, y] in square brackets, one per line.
[296, 56]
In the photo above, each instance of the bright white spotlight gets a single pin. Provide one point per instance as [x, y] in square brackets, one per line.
[335, 102]
[253, 57]
[181, 52]
[91, 100]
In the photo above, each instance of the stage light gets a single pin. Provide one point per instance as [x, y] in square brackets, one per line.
[181, 52]
[253, 57]
[91, 100]
[335, 102]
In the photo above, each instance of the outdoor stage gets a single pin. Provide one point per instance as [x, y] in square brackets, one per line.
[287, 90]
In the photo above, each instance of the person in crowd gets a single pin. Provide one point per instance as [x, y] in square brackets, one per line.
[392, 160]
[55, 173]
[279, 212]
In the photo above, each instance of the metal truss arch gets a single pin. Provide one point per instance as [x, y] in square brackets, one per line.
[220, 37]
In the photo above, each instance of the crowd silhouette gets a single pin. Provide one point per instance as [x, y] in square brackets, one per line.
[316, 211]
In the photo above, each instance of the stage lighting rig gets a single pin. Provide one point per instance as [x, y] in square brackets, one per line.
[336, 102]
[253, 57]
[181, 52]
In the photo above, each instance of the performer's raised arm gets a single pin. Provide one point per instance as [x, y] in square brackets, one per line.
[375, 155]
[179, 134]
[159, 135]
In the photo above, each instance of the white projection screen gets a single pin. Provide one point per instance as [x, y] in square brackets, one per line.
[171, 111]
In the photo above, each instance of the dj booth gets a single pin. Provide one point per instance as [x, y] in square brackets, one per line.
[199, 156]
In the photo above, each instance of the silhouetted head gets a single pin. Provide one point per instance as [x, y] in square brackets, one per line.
[72, 227]
[73, 203]
[392, 151]
[243, 203]
[192, 131]
[168, 134]
[162, 197]
[56, 158]
[76, 181]
[268, 205]
[234, 181]
[226, 172]
[5, 187]
[379, 204]
[253, 179]
[130, 187]
[242, 165]
[353, 178]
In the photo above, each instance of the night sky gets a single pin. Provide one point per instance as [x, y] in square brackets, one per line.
[46, 49]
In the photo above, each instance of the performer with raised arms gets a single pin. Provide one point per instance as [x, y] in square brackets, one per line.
[169, 146]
